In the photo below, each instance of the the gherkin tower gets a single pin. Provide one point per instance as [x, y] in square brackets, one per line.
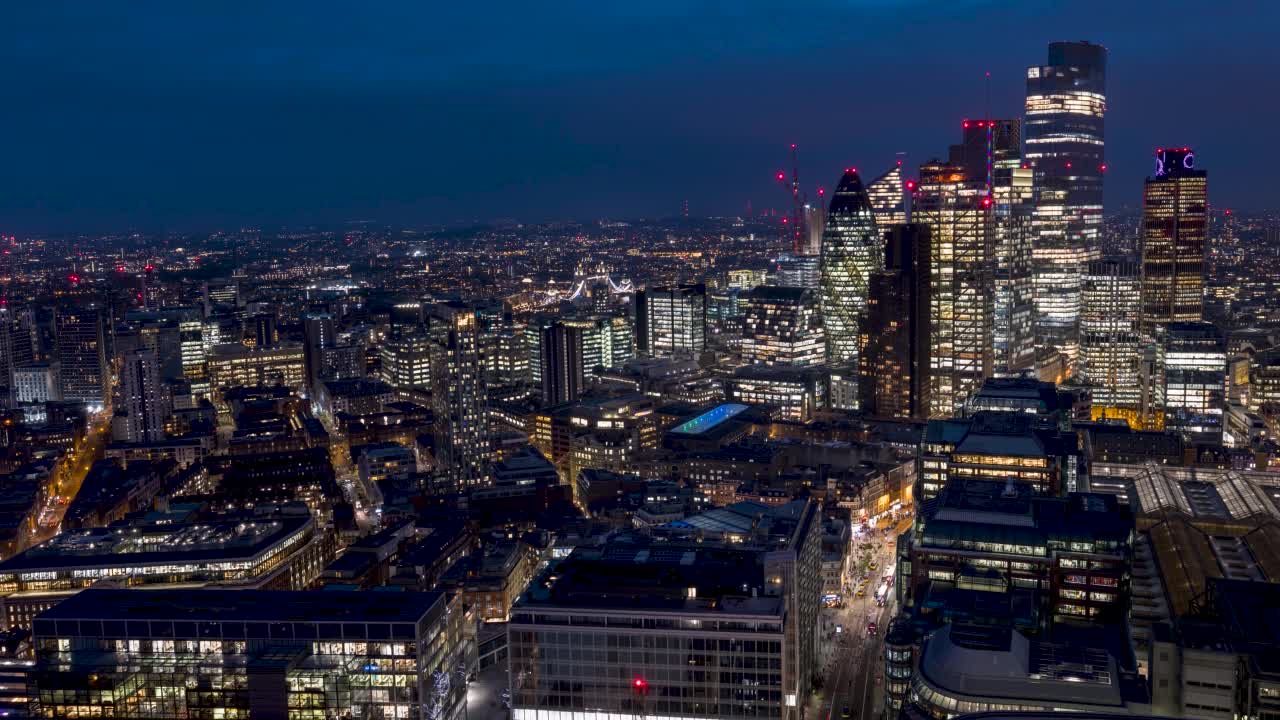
[851, 251]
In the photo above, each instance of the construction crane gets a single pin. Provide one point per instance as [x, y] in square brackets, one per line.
[796, 220]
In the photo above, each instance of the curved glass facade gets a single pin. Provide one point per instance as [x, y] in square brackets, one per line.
[851, 250]
[1065, 106]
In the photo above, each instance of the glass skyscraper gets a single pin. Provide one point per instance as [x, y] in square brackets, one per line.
[888, 204]
[990, 152]
[1066, 102]
[1110, 347]
[851, 250]
[1174, 224]
[962, 263]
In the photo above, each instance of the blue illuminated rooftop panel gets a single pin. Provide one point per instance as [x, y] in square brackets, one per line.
[709, 419]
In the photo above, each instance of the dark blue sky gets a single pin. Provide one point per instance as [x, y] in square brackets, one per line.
[192, 115]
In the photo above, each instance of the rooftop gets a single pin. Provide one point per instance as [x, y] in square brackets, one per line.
[259, 605]
[1001, 665]
[709, 419]
[132, 545]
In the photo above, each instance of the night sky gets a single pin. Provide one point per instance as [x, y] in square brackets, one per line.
[199, 115]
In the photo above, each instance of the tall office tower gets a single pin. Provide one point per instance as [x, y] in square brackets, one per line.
[506, 358]
[1110, 343]
[962, 293]
[1066, 102]
[458, 395]
[1174, 222]
[146, 402]
[672, 320]
[81, 345]
[888, 202]
[851, 251]
[990, 152]
[801, 271]
[894, 372]
[607, 342]
[406, 361]
[191, 349]
[1193, 363]
[1057, 267]
[782, 326]
[561, 363]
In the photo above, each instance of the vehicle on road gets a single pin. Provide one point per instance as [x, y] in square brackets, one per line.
[844, 713]
[871, 629]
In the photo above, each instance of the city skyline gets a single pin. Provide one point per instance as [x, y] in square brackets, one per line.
[985, 423]
[324, 122]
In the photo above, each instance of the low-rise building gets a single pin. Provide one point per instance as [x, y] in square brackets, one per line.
[251, 654]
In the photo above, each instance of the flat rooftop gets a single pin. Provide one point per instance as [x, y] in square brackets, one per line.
[246, 605]
[133, 545]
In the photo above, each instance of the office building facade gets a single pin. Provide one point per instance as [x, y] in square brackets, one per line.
[1064, 139]
[1110, 343]
[561, 363]
[958, 213]
[672, 320]
[169, 654]
[80, 338]
[782, 326]
[852, 249]
[894, 363]
[1175, 221]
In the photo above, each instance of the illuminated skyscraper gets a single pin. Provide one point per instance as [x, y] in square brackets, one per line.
[1174, 224]
[894, 372]
[990, 152]
[81, 343]
[1066, 102]
[1057, 266]
[962, 263]
[1193, 364]
[1110, 345]
[458, 395]
[145, 402]
[782, 326]
[851, 251]
[888, 203]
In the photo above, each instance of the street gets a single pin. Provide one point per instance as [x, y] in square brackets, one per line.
[69, 475]
[853, 677]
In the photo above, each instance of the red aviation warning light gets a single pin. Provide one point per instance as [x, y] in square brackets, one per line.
[781, 176]
[75, 278]
[911, 185]
[986, 202]
[640, 685]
